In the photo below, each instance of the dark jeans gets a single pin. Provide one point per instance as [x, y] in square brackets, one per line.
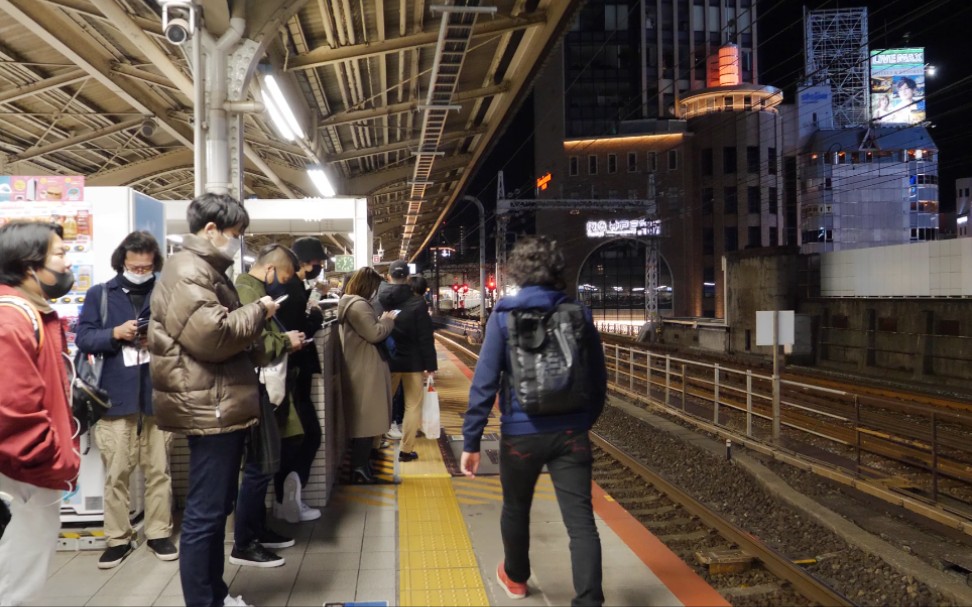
[214, 466]
[567, 456]
[297, 453]
[398, 404]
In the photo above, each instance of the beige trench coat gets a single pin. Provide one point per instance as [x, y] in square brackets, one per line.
[365, 381]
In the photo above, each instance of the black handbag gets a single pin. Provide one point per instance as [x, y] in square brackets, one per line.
[264, 438]
[89, 402]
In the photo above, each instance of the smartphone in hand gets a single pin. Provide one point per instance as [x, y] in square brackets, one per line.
[281, 299]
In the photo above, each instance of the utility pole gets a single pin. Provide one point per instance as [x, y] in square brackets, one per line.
[482, 261]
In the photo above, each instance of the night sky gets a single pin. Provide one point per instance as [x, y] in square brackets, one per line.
[940, 26]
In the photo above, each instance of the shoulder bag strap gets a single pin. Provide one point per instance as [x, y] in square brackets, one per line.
[29, 312]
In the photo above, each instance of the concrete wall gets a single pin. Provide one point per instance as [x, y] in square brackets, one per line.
[761, 279]
[921, 269]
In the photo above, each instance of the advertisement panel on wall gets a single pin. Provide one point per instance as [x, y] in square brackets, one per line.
[898, 86]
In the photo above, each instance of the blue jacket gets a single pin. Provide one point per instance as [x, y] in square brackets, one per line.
[121, 382]
[494, 360]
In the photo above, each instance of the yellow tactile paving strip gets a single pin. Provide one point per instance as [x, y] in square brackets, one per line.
[436, 562]
[484, 489]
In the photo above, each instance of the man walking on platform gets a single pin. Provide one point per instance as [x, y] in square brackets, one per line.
[543, 422]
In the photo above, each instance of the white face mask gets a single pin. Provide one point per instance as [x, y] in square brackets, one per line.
[231, 248]
[137, 279]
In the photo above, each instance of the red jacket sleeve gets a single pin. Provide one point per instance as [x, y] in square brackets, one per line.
[26, 436]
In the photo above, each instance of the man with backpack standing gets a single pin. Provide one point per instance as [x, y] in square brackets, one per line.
[543, 355]
[39, 457]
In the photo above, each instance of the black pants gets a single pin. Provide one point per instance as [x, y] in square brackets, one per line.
[567, 456]
[214, 466]
[297, 453]
[361, 452]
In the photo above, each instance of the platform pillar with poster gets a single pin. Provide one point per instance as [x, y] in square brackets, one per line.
[775, 328]
[94, 220]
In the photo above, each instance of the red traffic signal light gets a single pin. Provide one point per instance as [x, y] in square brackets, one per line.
[491, 285]
[455, 287]
[465, 288]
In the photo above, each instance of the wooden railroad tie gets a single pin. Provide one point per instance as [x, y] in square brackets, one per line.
[724, 560]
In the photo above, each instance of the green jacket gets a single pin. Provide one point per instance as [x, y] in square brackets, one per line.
[275, 344]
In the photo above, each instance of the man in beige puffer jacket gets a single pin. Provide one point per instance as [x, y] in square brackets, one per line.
[204, 382]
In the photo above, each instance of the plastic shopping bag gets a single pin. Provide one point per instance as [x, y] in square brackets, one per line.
[430, 410]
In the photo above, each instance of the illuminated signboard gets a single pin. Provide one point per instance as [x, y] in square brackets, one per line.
[543, 182]
[898, 86]
[623, 227]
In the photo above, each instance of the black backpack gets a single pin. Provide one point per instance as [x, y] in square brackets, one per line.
[549, 359]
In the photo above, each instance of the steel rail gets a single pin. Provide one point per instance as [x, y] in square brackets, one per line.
[778, 564]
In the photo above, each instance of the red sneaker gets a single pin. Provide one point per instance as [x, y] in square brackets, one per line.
[514, 590]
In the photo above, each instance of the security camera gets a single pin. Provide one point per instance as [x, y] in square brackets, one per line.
[147, 128]
[177, 31]
[178, 20]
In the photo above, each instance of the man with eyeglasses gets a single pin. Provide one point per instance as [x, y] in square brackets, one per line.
[128, 435]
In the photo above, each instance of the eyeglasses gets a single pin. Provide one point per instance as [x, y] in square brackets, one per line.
[140, 269]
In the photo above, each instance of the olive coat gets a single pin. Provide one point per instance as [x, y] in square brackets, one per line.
[365, 380]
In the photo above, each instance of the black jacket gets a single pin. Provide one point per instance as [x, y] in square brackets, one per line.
[414, 344]
[292, 315]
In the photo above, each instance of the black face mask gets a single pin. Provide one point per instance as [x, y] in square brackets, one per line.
[62, 284]
[314, 272]
[275, 288]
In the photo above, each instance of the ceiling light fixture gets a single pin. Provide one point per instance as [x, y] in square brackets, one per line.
[321, 182]
[280, 113]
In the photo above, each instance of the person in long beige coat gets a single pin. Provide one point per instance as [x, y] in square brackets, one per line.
[365, 380]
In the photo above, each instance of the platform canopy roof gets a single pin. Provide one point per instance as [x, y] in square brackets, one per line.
[83, 83]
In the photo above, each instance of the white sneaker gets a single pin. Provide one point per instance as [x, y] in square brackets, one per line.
[395, 432]
[308, 514]
[235, 601]
[289, 507]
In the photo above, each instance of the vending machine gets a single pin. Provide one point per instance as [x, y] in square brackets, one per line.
[95, 220]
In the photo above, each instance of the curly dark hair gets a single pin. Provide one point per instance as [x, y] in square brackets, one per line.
[137, 242]
[537, 260]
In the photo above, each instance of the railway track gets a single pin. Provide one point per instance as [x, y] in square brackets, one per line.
[691, 528]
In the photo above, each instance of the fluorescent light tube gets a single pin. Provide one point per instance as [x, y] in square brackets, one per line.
[322, 183]
[283, 108]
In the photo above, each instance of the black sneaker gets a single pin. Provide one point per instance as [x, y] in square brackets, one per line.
[255, 555]
[114, 555]
[407, 456]
[270, 539]
[164, 549]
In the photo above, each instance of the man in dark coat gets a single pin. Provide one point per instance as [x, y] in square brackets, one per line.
[414, 358]
[128, 435]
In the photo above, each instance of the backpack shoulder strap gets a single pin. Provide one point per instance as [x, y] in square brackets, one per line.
[104, 305]
[29, 312]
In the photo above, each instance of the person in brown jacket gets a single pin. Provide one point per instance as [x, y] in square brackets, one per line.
[365, 380]
[204, 382]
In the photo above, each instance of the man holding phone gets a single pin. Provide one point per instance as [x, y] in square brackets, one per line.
[274, 267]
[128, 435]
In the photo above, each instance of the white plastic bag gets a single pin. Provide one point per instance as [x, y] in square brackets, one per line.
[430, 410]
[274, 377]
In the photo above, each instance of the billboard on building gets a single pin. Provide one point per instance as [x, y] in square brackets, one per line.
[898, 86]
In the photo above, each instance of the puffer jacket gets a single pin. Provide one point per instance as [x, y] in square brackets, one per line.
[201, 338]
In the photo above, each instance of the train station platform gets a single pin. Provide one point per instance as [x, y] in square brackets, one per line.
[432, 539]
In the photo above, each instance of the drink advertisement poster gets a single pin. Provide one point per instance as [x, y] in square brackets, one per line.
[75, 218]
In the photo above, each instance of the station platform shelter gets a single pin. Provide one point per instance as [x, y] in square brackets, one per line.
[431, 539]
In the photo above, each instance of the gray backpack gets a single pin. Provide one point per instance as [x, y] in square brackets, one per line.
[549, 359]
